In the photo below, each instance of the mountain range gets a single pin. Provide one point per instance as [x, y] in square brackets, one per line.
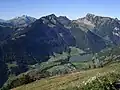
[26, 41]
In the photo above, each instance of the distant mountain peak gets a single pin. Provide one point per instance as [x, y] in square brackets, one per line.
[1, 20]
[63, 17]
[48, 19]
[52, 16]
[93, 16]
[90, 15]
[24, 15]
[21, 21]
[64, 20]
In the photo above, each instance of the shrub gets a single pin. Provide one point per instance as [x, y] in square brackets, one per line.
[21, 80]
[102, 82]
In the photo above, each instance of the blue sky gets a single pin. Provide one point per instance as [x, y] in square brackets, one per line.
[70, 8]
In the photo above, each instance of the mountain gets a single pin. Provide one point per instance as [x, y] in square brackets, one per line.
[42, 38]
[105, 27]
[8, 30]
[14, 26]
[1, 20]
[94, 79]
[18, 22]
[3, 73]
[64, 20]
[84, 30]
[22, 21]
[85, 39]
[5, 33]
[35, 43]
[26, 42]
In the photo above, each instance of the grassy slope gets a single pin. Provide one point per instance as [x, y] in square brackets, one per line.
[68, 80]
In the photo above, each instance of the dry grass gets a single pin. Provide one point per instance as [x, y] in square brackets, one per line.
[68, 80]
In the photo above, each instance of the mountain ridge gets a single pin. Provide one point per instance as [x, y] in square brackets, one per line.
[24, 44]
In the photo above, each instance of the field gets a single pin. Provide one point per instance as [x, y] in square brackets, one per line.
[62, 82]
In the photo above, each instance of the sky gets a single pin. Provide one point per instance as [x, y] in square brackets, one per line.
[73, 9]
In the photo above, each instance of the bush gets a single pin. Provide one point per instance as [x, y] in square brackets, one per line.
[21, 80]
[24, 79]
[102, 82]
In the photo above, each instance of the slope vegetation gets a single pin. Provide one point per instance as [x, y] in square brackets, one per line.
[74, 81]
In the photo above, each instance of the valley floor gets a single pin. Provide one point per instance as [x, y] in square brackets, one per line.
[62, 82]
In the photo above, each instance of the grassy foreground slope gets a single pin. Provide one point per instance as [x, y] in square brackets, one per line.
[68, 81]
